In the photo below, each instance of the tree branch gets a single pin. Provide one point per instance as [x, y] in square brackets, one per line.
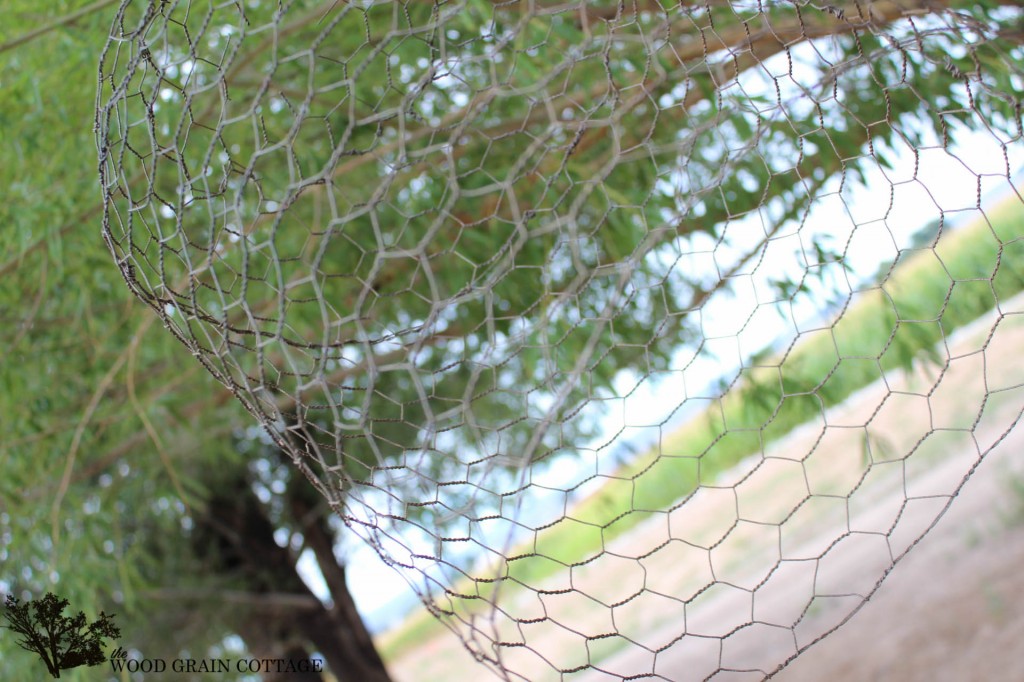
[55, 24]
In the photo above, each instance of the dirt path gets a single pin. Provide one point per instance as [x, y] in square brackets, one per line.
[775, 555]
[954, 608]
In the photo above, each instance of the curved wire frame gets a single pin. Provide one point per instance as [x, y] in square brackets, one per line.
[473, 264]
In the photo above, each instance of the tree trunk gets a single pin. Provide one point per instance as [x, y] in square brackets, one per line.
[342, 638]
[237, 536]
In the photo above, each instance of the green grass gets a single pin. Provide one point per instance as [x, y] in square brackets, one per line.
[931, 293]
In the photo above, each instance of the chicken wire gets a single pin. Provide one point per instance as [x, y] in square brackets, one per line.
[440, 249]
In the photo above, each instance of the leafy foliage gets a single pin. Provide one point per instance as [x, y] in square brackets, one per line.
[398, 241]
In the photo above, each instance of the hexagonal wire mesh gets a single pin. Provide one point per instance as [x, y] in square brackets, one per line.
[441, 250]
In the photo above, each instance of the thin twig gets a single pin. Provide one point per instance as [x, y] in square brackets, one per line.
[76, 441]
[150, 431]
[55, 24]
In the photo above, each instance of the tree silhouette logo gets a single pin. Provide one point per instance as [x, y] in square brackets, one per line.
[61, 641]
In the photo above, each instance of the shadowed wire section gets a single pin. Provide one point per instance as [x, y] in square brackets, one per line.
[643, 339]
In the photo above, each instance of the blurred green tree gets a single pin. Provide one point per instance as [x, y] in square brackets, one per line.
[296, 189]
